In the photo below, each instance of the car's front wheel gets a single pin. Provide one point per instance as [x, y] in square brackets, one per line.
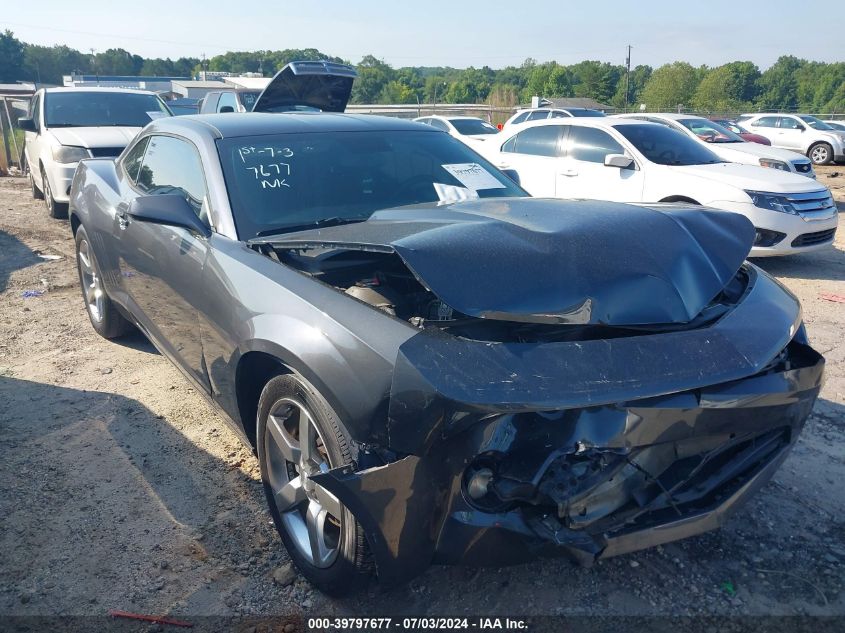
[36, 192]
[821, 154]
[104, 315]
[55, 209]
[298, 436]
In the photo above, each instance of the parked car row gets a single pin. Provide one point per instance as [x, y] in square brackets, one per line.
[628, 160]
[432, 365]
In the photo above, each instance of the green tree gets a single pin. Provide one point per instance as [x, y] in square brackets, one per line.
[48, 64]
[373, 76]
[595, 80]
[117, 61]
[778, 85]
[11, 57]
[669, 86]
[636, 83]
[729, 87]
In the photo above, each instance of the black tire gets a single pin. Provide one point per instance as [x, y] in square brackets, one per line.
[36, 192]
[820, 154]
[57, 210]
[351, 566]
[105, 318]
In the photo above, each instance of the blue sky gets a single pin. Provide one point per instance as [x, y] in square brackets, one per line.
[456, 33]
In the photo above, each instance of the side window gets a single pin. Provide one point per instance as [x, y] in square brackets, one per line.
[766, 121]
[172, 165]
[591, 145]
[520, 118]
[440, 125]
[537, 115]
[557, 114]
[227, 101]
[36, 112]
[788, 123]
[537, 141]
[133, 158]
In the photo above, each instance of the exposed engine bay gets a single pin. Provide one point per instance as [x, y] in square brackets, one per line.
[382, 280]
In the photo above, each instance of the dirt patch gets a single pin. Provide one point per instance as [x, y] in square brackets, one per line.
[122, 489]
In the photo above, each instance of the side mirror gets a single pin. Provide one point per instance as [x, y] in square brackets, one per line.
[512, 174]
[170, 209]
[801, 128]
[618, 160]
[27, 124]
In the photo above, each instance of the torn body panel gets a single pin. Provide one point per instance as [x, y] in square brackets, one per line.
[667, 468]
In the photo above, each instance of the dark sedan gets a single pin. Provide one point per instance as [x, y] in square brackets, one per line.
[431, 366]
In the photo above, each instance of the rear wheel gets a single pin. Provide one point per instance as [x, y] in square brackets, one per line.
[820, 154]
[104, 316]
[55, 209]
[299, 435]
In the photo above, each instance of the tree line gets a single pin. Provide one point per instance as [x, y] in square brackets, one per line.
[789, 84]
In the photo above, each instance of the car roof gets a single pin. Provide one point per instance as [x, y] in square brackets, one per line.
[602, 122]
[98, 89]
[673, 116]
[234, 124]
[451, 118]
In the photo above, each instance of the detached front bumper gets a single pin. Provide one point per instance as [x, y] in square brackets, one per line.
[615, 452]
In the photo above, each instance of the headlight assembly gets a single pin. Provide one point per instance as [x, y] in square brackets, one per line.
[771, 201]
[69, 154]
[774, 164]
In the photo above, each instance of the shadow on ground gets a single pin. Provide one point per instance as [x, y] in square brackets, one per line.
[14, 255]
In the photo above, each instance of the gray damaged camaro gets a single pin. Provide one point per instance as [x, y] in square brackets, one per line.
[432, 366]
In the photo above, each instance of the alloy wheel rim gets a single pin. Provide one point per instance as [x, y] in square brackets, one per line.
[48, 194]
[819, 154]
[92, 288]
[311, 515]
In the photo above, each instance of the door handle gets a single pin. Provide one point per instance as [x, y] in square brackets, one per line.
[569, 172]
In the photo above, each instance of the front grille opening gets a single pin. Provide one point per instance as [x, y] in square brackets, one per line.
[811, 239]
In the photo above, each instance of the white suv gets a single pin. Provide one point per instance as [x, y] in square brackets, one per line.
[728, 145]
[799, 132]
[66, 125]
[624, 160]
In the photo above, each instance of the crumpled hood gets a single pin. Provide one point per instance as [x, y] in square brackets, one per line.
[95, 136]
[751, 177]
[555, 261]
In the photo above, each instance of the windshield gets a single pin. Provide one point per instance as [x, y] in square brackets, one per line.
[468, 127]
[248, 100]
[816, 124]
[290, 181]
[586, 112]
[710, 131]
[99, 109]
[666, 146]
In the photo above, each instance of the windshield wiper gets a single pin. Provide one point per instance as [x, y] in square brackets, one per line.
[323, 222]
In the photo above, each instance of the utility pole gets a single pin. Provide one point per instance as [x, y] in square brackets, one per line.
[627, 76]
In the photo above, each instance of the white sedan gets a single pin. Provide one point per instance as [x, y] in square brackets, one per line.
[728, 145]
[635, 161]
[468, 129]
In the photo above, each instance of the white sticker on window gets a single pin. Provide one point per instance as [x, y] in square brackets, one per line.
[473, 176]
[451, 193]
[155, 115]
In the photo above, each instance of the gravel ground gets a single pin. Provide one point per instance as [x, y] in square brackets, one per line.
[122, 489]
